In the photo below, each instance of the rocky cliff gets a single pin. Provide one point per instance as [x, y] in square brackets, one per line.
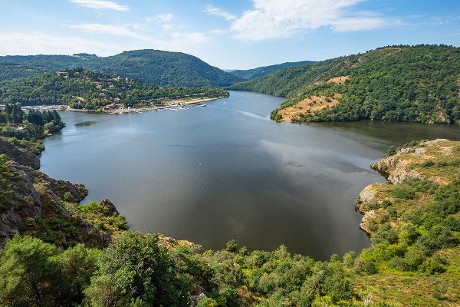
[433, 162]
[46, 208]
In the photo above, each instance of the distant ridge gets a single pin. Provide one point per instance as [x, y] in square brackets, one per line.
[157, 67]
[258, 72]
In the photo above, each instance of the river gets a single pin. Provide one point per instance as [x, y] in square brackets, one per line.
[225, 171]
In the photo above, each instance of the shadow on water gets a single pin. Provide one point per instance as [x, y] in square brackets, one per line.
[85, 123]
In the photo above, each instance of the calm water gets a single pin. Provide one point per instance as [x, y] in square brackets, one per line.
[226, 171]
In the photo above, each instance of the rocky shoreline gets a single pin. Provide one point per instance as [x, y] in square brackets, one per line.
[47, 208]
[409, 162]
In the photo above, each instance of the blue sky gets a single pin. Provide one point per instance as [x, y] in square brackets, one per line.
[228, 34]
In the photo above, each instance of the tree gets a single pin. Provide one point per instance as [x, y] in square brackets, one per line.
[28, 276]
[77, 264]
[136, 270]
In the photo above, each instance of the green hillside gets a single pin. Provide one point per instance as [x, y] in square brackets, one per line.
[258, 72]
[83, 89]
[398, 83]
[151, 66]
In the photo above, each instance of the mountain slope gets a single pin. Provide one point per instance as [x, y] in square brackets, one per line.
[258, 72]
[151, 66]
[398, 83]
[164, 68]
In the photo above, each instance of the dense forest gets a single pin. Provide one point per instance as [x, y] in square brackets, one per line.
[71, 254]
[83, 89]
[156, 67]
[258, 72]
[397, 83]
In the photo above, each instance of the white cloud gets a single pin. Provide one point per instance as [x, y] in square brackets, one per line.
[168, 40]
[164, 17]
[167, 27]
[120, 30]
[218, 32]
[25, 43]
[193, 38]
[101, 5]
[282, 18]
[212, 10]
[109, 29]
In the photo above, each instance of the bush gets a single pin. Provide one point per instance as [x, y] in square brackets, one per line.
[137, 268]
[434, 264]
[365, 266]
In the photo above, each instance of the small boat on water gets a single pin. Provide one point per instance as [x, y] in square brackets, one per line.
[202, 105]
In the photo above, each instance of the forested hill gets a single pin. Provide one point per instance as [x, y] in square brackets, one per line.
[152, 66]
[397, 83]
[258, 72]
[83, 89]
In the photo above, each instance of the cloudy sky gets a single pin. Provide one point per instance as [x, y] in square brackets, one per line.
[226, 33]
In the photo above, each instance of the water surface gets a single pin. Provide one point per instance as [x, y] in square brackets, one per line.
[227, 172]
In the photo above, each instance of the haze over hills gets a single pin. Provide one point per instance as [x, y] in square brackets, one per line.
[258, 72]
[152, 66]
[397, 83]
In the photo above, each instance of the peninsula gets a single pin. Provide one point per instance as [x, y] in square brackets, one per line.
[88, 91]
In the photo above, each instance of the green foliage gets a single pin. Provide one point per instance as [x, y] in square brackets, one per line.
[258, 72]
[365, 266]
[101, 217]
[231, 246]
[82, 89]
[34, 273]
[137, 269]
[434, 264]
[28, 126]
[397, 83]
[151, 66]
[29, 276]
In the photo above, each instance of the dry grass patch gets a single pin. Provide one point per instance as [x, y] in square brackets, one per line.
[339, 80]
[309, 105]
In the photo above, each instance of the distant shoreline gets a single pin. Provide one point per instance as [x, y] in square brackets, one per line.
[174, 104]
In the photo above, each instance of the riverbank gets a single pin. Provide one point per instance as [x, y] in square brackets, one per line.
[173, 105]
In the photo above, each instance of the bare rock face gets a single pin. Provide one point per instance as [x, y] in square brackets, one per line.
[396, 167]
[366, 198]
[108, 208]
[411, 162]
[395, 170]
[19, 155]
[34, 196]
[364, 224]
[39, 206]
